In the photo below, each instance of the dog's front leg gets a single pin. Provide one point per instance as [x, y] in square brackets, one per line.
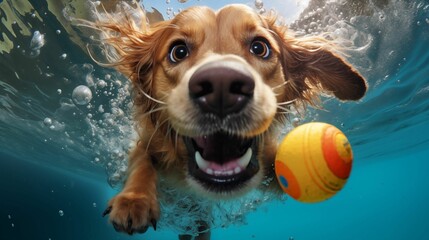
[136, 206]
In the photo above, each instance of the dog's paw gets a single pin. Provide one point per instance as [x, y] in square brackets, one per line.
[132, 212]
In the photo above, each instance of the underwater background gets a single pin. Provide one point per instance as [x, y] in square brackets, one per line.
[65, 126]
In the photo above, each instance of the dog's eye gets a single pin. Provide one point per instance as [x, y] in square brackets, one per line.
[260, 48]
[178, 52]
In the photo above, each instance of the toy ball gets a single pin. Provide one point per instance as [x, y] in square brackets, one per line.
[313, 162]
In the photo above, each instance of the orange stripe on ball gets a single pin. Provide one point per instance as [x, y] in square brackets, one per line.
[340, 166]
[292, 187]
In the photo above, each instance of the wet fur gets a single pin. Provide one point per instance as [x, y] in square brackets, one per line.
[298, 71]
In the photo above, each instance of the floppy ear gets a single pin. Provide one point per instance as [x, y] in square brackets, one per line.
[131, 46]
[133, 50]
[311, 65]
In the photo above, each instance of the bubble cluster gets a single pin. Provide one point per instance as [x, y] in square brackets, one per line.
[175, 204]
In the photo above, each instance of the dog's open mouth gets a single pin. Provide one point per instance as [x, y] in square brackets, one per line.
[221, 162]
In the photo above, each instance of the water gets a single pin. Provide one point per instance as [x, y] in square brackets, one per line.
[63, 155]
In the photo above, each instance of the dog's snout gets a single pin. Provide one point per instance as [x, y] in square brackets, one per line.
[221, 90]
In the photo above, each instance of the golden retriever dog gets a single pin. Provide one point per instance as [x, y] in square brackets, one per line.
[211, 90]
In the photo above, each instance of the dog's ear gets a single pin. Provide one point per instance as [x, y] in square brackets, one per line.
[132, 46]
[133, 50]
[310, 64]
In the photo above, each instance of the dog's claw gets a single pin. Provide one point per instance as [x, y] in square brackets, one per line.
[107, 211]
[142, 229]
[130, 226]
[116, 226]
[153, 221]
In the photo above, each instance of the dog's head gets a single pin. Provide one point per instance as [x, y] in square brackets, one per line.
[220, 81]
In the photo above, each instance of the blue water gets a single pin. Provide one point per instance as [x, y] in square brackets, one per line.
[61, 162]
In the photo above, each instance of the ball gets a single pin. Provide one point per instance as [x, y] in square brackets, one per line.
[313, 162]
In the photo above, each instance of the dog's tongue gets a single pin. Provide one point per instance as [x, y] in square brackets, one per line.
[221, 147]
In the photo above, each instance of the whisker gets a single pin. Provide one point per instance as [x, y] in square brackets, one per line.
[280, 85]
[158, 125]
[167, 133]
[287, 102]
[175, 141]
[154, 110]
[152, 98]
[278, 121]
[285, 113]
[284, 109]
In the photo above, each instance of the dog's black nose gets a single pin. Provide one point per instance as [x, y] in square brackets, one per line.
[220, 89]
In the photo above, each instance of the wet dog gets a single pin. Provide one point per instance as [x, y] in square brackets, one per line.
[211, 91]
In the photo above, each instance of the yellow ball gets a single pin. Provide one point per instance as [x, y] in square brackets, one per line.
[313, 162]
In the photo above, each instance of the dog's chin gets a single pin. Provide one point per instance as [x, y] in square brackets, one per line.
[221, 164]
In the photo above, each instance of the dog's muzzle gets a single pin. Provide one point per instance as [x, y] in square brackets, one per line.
[221, 161]
[220, 89]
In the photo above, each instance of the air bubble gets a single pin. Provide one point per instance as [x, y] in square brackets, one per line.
[63, 56]
[313, 25]
[101, 84]
[58, 32]
[61, 213]
[82, 95]
[259, 4]
[47, 121]
[101, 109]
[36, 43]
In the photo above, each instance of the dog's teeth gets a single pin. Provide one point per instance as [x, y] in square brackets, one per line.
[202, 164]
[241, 164]
[244, 161]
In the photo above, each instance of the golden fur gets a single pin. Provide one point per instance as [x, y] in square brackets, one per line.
[297, 70]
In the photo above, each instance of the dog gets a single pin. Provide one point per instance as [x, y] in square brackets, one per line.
[211, 90]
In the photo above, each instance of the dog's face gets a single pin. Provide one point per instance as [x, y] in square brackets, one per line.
[226, 66]
[222, 81]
